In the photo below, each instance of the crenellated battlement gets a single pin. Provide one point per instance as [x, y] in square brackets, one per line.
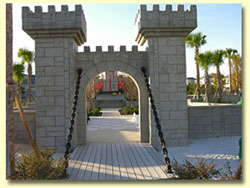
[168, 10]
[39, 24]
[165, 22]
[111, 49]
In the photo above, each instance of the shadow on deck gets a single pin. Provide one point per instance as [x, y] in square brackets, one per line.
[116, 161]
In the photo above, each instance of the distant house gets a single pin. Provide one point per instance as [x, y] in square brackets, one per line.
[211, 78]
[227, 85]
[190, 80]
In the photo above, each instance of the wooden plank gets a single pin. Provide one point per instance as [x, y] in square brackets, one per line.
[134, 163]
[151, 161]
[83, 162]
[103, 162]
[123, 169]
[75, 171]
[73, 159]
[120, 161]
[95, 171]
[157, 155]
[142, 166]
[130, 170]
[146, 161]
[115, 164]
[159, 158]
[109, 169]
[90, 164]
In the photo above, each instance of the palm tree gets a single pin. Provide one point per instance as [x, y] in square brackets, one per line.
[196, 40]
[229, 53]
[237, 72]
[205, 61]
[217, 61]
[18, 76]
[10, 93]
[27, 57]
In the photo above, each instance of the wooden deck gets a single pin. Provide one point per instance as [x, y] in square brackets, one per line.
[118, 161]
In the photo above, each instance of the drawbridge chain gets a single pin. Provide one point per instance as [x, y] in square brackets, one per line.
[163, 143]
[72, 119]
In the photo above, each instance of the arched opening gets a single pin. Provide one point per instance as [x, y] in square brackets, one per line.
[112, 106]
[143, 129]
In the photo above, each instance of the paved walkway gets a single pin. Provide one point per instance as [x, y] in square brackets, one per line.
[111, 127]
[112, 120]
[120, 161]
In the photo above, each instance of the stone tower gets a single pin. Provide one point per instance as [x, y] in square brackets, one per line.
[56, 35]
[165, 33]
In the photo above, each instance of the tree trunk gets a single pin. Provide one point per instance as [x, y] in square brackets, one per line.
[19, 92]
[230, 75]
[237, 79]
[206, 85]
[10, 92]
[27, 129]
[198, 76]
[29, 82]
[219, 83]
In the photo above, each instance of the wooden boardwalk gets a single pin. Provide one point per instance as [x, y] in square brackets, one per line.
[116, 161]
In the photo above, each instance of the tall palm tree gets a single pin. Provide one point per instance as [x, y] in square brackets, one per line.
[229, 53]
[10, 92]
[27, 57]
[217, 60]
[205, 61]
[196, 40]
[18, 76]
[237, 72]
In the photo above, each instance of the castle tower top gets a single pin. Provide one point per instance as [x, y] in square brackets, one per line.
[156, 23]
[52, 24]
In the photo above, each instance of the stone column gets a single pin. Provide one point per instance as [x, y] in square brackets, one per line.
[56, 36]
[165, 33]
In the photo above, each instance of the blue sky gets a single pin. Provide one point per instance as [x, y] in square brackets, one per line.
[113, 24]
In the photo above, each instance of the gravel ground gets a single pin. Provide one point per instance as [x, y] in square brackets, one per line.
[220, 150]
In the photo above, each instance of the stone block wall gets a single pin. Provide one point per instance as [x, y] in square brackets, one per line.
[20, 134]
[56, 36]
[165, 33]
[54, 59]
[214, 121]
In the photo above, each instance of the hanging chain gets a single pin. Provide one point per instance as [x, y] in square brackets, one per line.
[72, 119]
[163, 143]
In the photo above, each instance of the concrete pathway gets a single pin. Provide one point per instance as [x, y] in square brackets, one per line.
[112, 127]
[112, 120]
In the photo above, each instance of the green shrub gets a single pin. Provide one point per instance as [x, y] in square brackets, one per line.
[94, 112]
[125, 109]
[130, 110]
[198, 171]
[136, 109]
[31, 167]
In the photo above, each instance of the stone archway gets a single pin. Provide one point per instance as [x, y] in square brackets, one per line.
[57, 35]
[87, 75]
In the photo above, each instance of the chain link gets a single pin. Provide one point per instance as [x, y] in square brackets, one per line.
[158, 126]
[72, 119]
